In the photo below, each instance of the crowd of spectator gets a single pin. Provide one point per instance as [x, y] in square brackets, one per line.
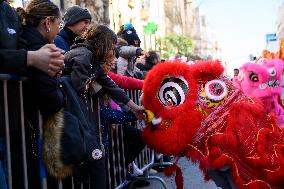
[68, 62]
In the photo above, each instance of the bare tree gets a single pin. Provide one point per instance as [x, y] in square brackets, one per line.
[99, 10]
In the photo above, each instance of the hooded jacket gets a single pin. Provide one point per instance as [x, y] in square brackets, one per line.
[80, 64]
[77, 121]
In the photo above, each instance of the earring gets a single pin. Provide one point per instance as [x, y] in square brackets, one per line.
[48, 30]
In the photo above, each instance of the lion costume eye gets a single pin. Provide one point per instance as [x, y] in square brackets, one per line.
[173, 91]
[216, 90]
[253, 77]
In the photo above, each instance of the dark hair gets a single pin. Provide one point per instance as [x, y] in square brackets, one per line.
[152, 55]
[236, 71]
[37, 10]
[102, 39]
[120, 31]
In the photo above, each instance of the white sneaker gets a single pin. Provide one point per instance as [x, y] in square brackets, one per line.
[153, 171]
[136, 170]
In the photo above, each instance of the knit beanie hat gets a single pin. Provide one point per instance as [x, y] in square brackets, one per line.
[131, 37]
[128, 26]
[75, 14]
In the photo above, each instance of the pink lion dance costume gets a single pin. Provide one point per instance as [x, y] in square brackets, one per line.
[194, 111]
[263, 80]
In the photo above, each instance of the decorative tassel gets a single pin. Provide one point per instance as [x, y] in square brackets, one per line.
[178, 178]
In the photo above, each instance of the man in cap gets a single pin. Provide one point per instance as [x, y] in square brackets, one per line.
[76, 22]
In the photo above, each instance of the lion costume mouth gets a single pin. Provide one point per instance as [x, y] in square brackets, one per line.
[156, 122]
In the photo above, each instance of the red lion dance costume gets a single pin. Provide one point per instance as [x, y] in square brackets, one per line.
[194, 111]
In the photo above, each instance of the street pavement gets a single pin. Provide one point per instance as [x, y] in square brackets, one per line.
[192, 177]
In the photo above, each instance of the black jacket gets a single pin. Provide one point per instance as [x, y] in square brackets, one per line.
[42, 90]
[81, 66]
[11, 60]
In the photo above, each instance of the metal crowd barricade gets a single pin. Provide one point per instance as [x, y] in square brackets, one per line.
[116, 162]
[146, 159]
[12, 131]
[22, 139]
[116, 165]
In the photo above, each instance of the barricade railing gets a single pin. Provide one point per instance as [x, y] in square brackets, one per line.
[21, 140]
[12, 142]
[117, 168]
[21, 166]
[146, 159]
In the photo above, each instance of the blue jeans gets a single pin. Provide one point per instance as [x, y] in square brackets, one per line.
[3, 165]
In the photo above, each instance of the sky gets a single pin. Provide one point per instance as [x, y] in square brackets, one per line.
[240, 26]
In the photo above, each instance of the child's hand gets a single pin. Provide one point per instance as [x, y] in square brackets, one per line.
[139, 112]
[140, 115]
